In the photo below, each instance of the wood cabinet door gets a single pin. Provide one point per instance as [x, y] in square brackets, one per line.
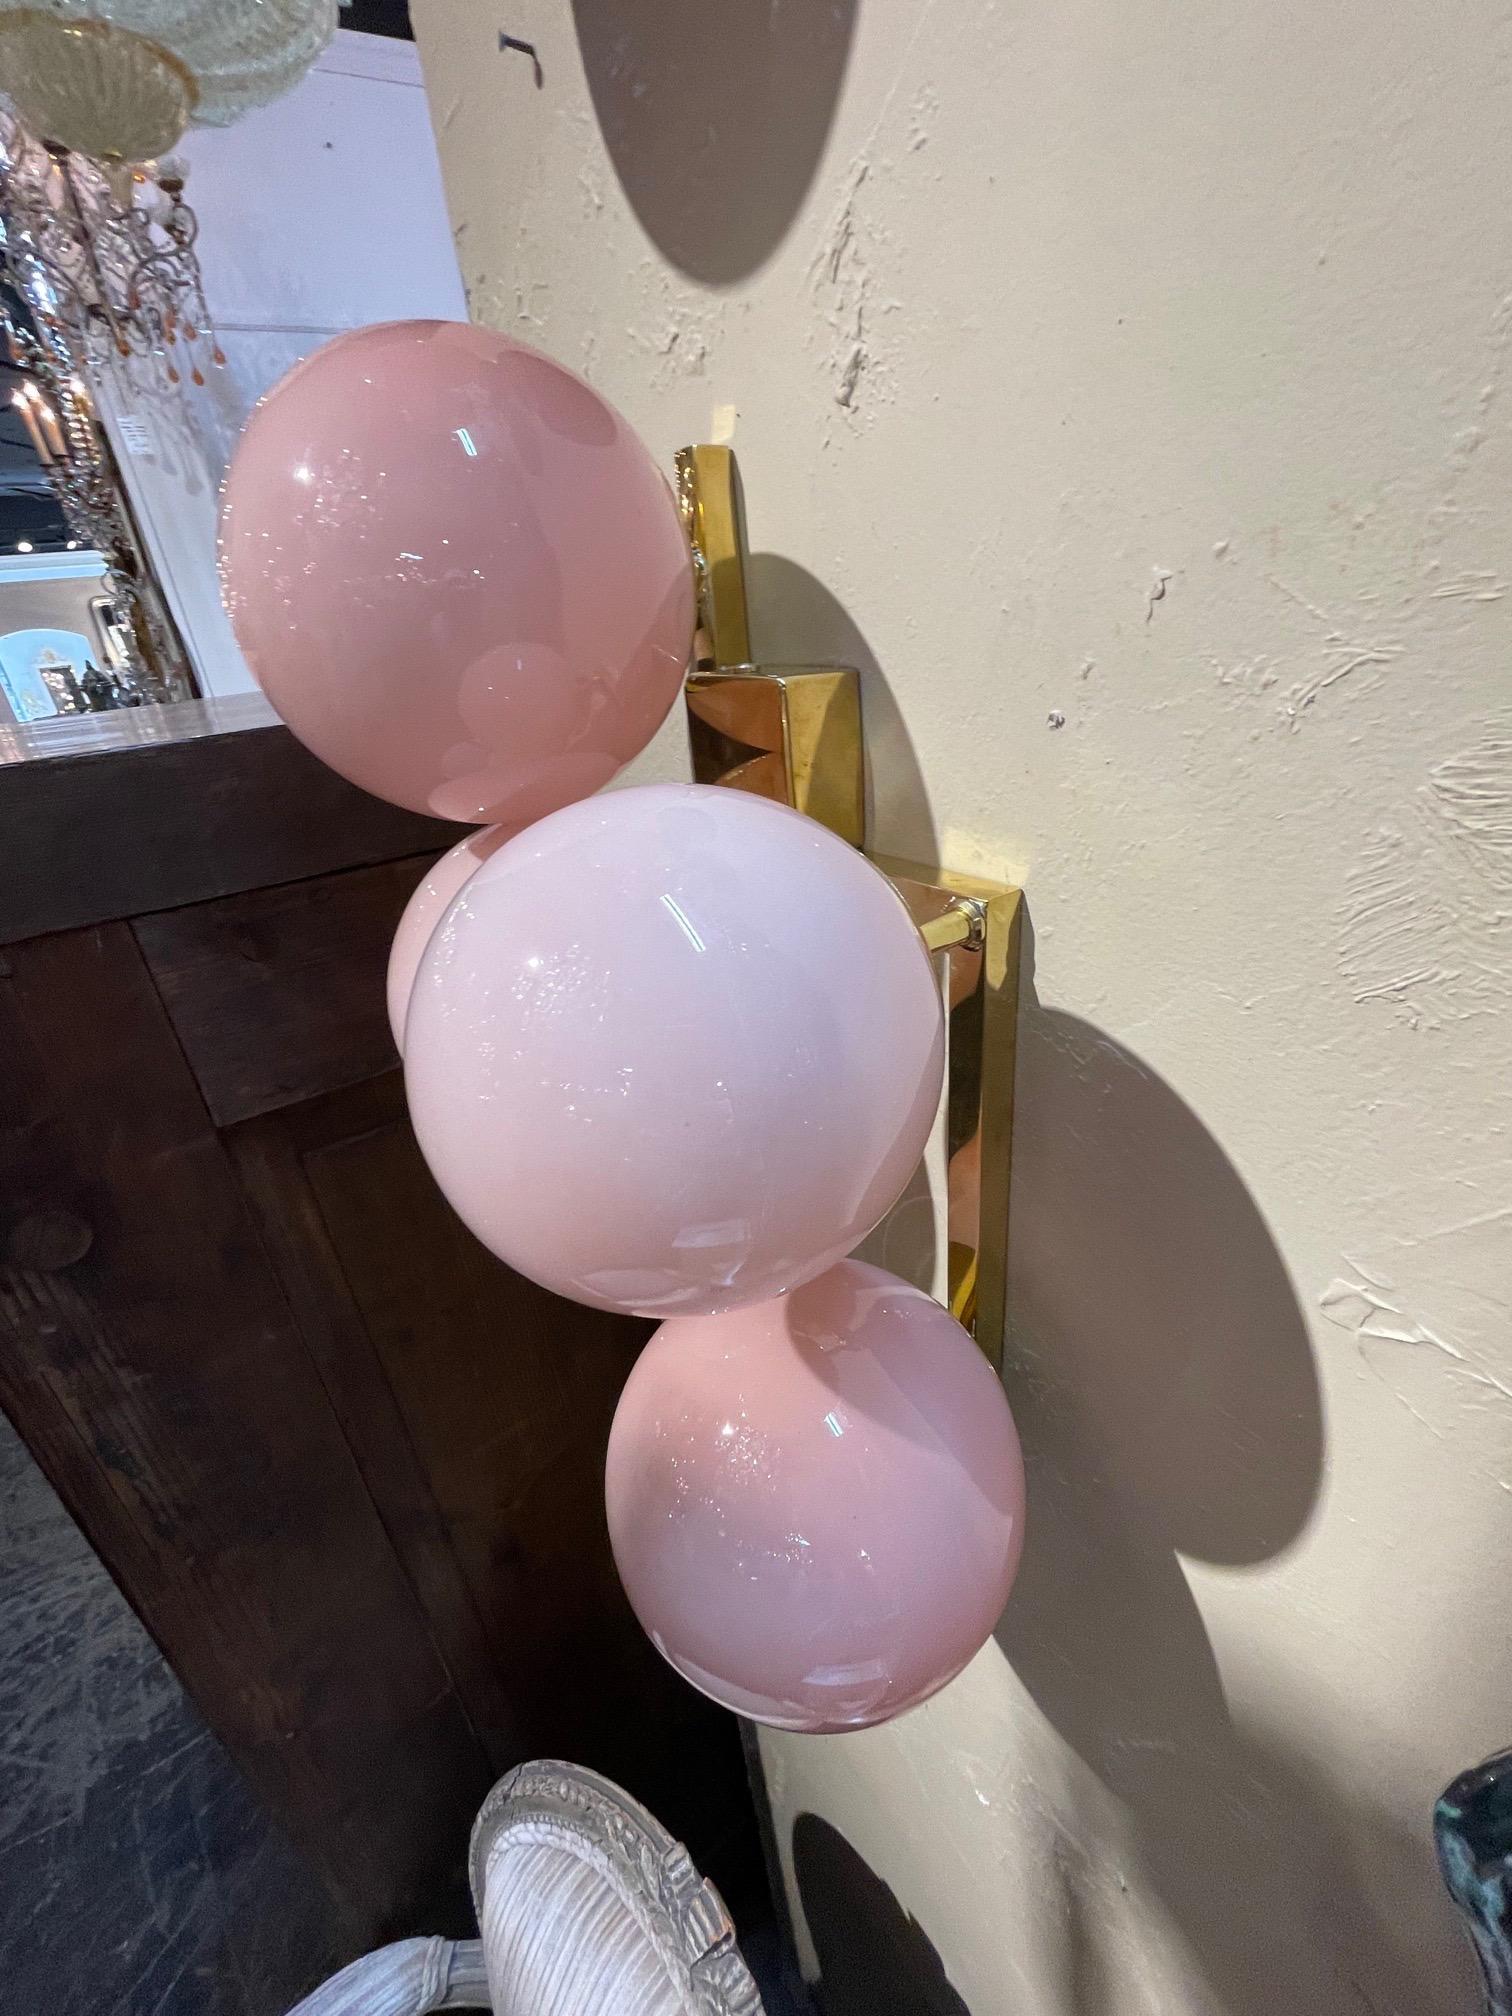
[346, 1466]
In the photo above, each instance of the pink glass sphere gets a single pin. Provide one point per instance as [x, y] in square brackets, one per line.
[674, 1049]
[424, 912]
[455, 571]
[817, 1503]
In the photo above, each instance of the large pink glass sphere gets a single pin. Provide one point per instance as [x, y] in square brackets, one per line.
[674, 1049]
[455, 571]
[424, 912]
[817, 1503]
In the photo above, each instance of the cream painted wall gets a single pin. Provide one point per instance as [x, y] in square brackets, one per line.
[1127, 386]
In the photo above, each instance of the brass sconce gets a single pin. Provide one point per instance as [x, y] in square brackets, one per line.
[794, 733]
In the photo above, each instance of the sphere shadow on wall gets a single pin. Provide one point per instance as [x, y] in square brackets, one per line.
[1164, 1385]
[1151, 1305]
[871, 1953]
[715, 118]
[797, 620]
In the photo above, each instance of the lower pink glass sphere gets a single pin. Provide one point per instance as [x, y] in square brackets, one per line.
[424, 912]
[455, 571]
[817, 1503]
[674, 1049]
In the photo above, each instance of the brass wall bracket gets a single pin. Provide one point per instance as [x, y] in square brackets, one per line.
[789, 732]
[794, 733]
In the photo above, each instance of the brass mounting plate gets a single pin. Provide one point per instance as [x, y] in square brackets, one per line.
[790, 732]
[794, 733]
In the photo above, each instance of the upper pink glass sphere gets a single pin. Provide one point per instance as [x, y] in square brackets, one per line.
[817, 1503]
[674, 1049]
[424, 912]
[455, 571]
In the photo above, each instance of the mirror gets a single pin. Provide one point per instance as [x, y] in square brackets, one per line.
[313, 214]
[83, 625]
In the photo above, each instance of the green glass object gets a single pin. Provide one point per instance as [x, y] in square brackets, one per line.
[1472, 1828]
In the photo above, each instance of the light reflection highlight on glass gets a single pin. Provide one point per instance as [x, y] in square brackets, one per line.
[680, 917]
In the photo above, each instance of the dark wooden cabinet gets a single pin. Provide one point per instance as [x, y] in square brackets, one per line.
[345, 1465]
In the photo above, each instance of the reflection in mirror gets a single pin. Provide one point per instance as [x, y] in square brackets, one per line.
[280, 217]
[75, 582]
[46, 671]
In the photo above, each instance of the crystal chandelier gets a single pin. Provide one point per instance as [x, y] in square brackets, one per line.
[122, 79]
[60, 416]
[97, 267]
[97, 260]
[99, 91]
[107, 253]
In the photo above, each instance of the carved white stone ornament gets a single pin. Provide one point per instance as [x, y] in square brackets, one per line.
[588, 1907]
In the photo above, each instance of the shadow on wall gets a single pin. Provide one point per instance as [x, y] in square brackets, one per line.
[872, 1955]
[1164, 1386]
[1284, 1892]
[715, 118]
[1159, 1346]
[797, 621]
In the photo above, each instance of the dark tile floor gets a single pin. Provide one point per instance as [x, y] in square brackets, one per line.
[136, 1874]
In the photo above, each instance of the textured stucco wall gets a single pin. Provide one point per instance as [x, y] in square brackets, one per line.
[1126, 387]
